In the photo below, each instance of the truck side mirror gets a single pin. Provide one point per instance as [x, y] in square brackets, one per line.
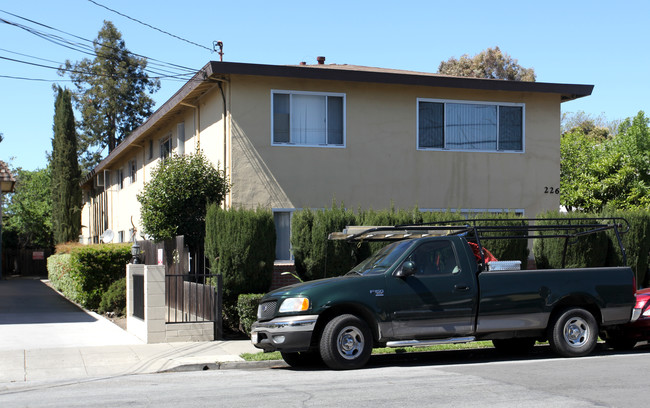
[408, 269]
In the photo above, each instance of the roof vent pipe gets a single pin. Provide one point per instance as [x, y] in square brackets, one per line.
[303, 63]
[321, 60]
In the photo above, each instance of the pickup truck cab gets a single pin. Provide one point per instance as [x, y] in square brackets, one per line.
[433, 289]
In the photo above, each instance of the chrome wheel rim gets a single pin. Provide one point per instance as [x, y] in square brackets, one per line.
[350, 342]
[576, 332]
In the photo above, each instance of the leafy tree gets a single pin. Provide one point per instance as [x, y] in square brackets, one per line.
[111, 94]
[1, 137]
[490, 63]
[611, 173]
[66, 191]
[174, 201]
[27, 220]
[592, 126]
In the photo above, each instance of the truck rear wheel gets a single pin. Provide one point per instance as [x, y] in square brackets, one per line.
[573, 333]
[346, 343]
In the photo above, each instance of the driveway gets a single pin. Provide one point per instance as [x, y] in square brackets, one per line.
[34, 316]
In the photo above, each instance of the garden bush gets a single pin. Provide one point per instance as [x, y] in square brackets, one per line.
[247, 310]
[636, 242]
[240, 245]
[86, 272]
[114, 299]
[582, 252]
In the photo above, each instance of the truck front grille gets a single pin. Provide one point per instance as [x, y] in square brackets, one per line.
[266, 310]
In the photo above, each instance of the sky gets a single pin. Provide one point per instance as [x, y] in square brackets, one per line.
[601, 43]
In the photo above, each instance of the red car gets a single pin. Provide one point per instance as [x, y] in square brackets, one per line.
[627, 336]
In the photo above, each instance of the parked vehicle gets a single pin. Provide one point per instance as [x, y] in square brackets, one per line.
[627, 336]
[431, 286]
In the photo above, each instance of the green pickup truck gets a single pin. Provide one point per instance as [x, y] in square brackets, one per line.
[432, 284]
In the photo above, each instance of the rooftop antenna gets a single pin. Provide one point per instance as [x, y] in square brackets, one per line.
[219, 45]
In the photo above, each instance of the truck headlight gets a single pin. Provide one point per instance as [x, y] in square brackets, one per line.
[298, 304]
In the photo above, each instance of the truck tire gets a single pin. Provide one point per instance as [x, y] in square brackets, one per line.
[302, 359]
[573, 333]
[514, 346]
[346, 343]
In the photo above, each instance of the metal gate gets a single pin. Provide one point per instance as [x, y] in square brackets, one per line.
[194, 298]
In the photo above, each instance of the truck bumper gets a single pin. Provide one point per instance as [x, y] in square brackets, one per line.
[288, 334]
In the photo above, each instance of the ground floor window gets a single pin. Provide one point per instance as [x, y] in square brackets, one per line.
[282, 218]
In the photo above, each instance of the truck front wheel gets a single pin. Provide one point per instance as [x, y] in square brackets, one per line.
[302, 359]
[573, 333]
[346, 343]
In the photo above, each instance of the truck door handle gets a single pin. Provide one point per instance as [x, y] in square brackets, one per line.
[461, 288]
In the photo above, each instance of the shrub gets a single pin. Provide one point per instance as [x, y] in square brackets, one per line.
[247, 310]
[582, 252]
[240, 245]
[316, 256]
[636, 243]
[61, 275]
[86, 272]
[114, 299]
[506, 249]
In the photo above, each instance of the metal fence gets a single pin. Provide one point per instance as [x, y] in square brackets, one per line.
[191, 294]
[194, 298]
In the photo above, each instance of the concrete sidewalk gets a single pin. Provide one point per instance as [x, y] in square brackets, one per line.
[50, 364]
[45, 337]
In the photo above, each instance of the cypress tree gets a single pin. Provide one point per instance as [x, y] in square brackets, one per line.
[66, 190]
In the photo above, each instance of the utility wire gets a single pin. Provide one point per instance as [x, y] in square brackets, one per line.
[85, 49]
[150, 26]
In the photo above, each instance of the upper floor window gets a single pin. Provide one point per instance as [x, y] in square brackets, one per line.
[308, 118]
[120, 178]
[133, 171]
[473, 126]
[180, 137]
[165, 147]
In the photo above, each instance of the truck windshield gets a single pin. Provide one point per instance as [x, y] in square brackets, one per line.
[382, 259]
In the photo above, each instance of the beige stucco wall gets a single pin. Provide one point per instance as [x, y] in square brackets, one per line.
[380, 164]
[122, 204]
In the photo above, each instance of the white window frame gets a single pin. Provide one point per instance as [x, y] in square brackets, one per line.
[133, 171]
[324, 94]
[120, 178]
[290, 211]
[180, 138]
[163, 141]
[467, 212]
[490, 103]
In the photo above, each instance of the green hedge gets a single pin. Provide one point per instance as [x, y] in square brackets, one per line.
[506, 249]
[583, 252]
[247, 310]
[316, 257]
[240, 245]
[114, 299]
[86, 272]
[636, 243]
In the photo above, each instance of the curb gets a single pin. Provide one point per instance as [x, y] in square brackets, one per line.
[226, 365]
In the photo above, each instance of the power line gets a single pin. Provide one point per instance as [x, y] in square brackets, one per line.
[177, 76]
[85, 49]
[150, 26]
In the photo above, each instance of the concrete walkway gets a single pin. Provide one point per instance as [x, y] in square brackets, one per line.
[43, 336]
